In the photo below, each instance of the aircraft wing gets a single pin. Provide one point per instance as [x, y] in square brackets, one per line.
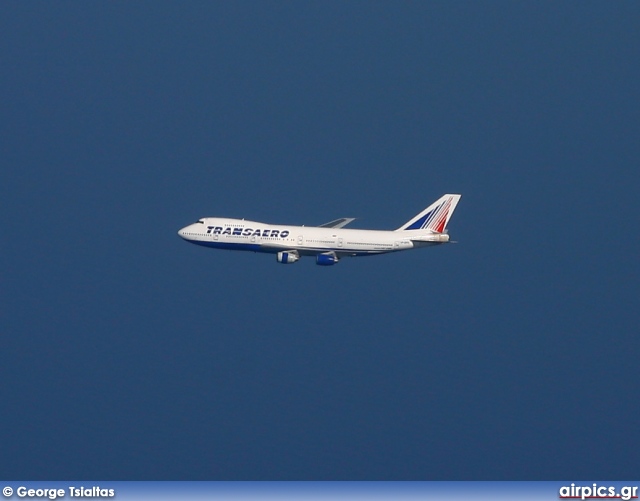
[338, 223]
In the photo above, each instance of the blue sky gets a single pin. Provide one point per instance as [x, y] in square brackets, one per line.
[128, 354]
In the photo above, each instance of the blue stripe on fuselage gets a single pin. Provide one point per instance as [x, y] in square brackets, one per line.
[231, 246]
[273, 250]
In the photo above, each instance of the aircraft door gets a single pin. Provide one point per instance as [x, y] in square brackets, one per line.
[300, 240]
[339, 242]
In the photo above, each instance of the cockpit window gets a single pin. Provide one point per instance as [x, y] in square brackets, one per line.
[200, 221]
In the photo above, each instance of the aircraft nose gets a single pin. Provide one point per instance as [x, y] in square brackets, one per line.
[182, 232]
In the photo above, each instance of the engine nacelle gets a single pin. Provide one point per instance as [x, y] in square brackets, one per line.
[287, 257]
[326, 259]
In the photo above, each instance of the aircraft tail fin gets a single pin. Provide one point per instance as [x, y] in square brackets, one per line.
[435, 217]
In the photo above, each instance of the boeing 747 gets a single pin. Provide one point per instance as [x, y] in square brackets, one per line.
[329, 242]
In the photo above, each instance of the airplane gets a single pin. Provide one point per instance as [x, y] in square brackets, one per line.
[329, 242]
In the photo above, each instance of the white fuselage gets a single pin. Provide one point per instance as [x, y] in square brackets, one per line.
[328, 242]
[241, 234]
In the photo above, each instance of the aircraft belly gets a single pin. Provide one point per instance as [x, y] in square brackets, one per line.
[228, 245]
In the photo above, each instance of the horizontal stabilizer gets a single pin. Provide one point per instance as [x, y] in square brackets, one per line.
[432, 237]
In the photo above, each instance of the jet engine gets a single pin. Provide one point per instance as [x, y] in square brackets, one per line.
[326, 259]
[287, 257]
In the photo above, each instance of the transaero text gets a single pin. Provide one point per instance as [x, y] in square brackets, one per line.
[247, 232]
[73, 492]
